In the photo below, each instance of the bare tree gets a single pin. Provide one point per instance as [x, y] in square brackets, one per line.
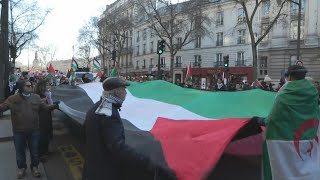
[178, 24]
[116, 34]
[47, 54]
[92, 34]
[25, 18]
[86, 52]
[277, 13]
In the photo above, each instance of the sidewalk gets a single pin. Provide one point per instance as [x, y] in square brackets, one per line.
[8, 167]
[5, 127]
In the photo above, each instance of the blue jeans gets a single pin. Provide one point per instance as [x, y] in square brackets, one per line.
[21, 139]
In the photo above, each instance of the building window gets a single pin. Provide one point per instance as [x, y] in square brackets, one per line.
[219, 61]
[138, 36]
[294, 29]
[179, 42]
[263, 62]
[137, 65]
[240, 59]
[198, 42]
[265, 7]
[178, 61]
[144, 64]
[144, 49]
[264, 28]
[241, 36]
[151, 33]
[241, 16]
[219, 20]
[163, 62]
[219, 39]
[151, 47]
[144, 35]
[197, 61]
[295, 7]
[138, 48]
[151, 62]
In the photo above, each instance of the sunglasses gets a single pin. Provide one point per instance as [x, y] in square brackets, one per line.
[28, 86]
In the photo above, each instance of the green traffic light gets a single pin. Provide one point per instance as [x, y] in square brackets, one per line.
[160, 51]
[225, 65]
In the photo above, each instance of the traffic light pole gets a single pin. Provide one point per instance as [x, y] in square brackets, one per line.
[159, 73]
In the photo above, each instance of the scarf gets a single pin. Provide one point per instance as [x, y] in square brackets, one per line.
[105, 107]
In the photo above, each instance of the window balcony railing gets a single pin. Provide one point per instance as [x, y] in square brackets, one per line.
[218, 63]
[240, 63]
[197, 64]
[241, 40]
[178, 65]
[162, 65]
[143, 67]
[219, 43]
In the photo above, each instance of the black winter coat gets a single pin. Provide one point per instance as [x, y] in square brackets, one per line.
[106, 151]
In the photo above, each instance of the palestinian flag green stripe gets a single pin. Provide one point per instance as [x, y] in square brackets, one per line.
[208, 104]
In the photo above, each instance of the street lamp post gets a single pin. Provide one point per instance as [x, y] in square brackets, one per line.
[299, 30]
[299, 4]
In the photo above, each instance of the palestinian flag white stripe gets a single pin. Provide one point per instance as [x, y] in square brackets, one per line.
[143, 113]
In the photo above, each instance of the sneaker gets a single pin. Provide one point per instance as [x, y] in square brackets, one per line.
[43, 158]
[21, 173]
[35, 171]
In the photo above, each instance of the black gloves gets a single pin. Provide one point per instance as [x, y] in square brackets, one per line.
[259, 120]
[56, 102]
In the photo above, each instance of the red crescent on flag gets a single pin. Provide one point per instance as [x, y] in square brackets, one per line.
[310, 124]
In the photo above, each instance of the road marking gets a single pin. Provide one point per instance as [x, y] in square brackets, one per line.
[73, 159]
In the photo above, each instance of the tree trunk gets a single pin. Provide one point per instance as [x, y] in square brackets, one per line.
[254, 61]
[4, 49]
[171, 64]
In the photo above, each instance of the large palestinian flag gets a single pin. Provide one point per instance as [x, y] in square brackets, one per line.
[186, 130]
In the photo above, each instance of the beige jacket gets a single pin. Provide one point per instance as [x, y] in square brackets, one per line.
[25, 111]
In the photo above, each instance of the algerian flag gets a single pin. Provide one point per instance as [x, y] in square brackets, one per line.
[292, 148]
[74, 67]
[185, 130]
[96, 64]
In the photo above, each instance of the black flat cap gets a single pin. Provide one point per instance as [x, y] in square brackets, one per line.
[113, 83]
[296, 69]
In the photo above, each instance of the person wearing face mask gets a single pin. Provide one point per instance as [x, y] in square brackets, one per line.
[25, 107]
[107, 154]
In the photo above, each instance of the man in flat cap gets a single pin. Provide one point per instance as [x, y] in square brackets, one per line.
[106, 151]
[292, 148]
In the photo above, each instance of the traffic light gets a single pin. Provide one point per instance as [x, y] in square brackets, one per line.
[161, 47]
[114, 55]
[226, 61]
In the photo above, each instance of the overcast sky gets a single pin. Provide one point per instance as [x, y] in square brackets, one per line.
[63, 23]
